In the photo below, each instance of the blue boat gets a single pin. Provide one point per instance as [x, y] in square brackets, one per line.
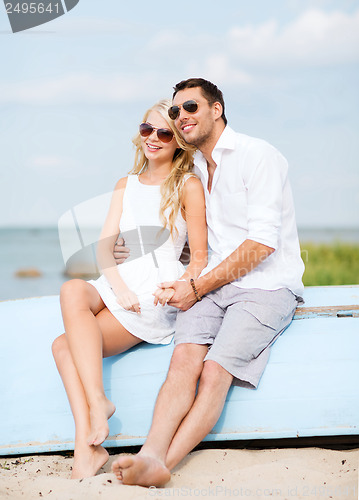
[309, 388]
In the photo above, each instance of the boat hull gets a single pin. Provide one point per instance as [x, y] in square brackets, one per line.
[309, 387]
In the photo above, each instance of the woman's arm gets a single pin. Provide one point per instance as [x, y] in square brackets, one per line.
[194, 212]
[105, 258]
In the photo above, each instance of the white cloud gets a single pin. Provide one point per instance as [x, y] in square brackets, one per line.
[220, 69]
[91, 26]
[76, 88]
[315, 37]
[45, 162]
[52, 164]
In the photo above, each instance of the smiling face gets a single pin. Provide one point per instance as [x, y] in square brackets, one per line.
[196, 128]
[153, 148]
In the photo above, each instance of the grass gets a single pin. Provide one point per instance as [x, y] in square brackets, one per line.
[330, 264]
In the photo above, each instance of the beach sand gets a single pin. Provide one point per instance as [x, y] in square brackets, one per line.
[290, 473]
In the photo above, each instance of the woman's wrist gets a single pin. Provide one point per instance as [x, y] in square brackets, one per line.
[120, 290]
[193, 271]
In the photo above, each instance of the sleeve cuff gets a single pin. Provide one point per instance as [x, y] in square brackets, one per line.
[264, 226]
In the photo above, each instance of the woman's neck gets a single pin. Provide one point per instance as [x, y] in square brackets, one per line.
[156, 174]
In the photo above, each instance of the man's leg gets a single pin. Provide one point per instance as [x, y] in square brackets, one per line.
[174, 401]
[253, 319]
[213, 387]
[195, 330]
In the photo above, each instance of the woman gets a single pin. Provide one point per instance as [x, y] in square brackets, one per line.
[164, 202]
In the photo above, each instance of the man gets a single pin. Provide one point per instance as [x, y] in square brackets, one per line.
[229, 317]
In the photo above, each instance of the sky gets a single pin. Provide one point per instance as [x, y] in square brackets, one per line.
[73, 91]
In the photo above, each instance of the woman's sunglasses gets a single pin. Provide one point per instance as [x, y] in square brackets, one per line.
[190, 106]
[164, 134]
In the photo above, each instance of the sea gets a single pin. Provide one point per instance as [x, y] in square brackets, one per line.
[39, 249]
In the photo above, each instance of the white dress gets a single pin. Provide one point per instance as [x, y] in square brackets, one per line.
[153, 259]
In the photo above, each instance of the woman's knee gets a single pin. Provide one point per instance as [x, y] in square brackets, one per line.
[73, 291]
[60, 347]
[72, 286]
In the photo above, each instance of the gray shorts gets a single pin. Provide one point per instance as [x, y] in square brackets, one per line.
[239, 325]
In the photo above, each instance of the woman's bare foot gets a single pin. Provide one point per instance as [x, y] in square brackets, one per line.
[99, 415]
[141, 470]
[88, 461]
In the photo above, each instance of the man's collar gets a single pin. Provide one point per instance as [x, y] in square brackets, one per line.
[227, 140]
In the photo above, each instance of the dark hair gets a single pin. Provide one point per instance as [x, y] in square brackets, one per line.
[210, 91]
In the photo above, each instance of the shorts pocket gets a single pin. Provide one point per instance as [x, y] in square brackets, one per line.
[266, 315]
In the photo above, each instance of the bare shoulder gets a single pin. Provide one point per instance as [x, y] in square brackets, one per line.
[192, 186]
[192, 198]
[121, 183]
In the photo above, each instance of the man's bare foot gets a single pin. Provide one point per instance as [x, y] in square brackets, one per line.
[99, 414]
[88, 461]
[141, 470]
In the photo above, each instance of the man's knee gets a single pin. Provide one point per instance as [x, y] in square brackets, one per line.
[187, 360]
[214, 376]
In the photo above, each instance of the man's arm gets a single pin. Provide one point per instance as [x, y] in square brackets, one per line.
[120, 252]
[240, 262]
[264, 176]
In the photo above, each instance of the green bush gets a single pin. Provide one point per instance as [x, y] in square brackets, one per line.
[330, 264]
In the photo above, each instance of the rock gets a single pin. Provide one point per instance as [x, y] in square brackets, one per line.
[28, 272]
[81, 266]
[80, 273]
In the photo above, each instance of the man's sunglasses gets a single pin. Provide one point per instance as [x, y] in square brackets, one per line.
[164, 134]
[190, 106]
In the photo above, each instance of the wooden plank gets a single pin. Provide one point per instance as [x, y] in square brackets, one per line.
[351, 311]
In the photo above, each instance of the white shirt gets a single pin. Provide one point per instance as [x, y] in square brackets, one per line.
[251, 198]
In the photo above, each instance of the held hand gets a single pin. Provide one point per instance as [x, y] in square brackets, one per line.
[120, 252]
[129, 301]
[183, 298]
[163, 296]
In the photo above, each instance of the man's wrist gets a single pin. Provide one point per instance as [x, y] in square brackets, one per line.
[195, 291]
[190, 281]
[199, 284]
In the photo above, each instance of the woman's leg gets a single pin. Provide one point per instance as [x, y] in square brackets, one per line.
[80, 302]
[115, 339]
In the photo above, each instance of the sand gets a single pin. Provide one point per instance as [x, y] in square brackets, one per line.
[304, 473]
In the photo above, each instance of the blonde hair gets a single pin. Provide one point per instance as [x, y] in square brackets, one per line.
[182, 164]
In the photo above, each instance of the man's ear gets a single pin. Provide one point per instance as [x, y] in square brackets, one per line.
[218, 110]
